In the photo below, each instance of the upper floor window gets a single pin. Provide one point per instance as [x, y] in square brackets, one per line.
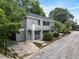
[45, 23]
[38, 22]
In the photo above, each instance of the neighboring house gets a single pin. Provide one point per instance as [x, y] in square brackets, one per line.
[33, 27]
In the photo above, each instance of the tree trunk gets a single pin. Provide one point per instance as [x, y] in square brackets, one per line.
[5, 46]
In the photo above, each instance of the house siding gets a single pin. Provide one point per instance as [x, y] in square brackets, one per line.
[30, 20]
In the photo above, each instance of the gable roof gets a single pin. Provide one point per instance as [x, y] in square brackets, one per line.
[38, 16]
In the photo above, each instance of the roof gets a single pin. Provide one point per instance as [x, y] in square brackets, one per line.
[38, 16]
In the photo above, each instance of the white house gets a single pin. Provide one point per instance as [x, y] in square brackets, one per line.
[33, 27]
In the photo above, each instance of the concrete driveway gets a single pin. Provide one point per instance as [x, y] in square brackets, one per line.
[64, 48]
[3, 57]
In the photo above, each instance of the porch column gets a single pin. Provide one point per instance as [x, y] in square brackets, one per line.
[26, 35]
[33, 35]
[41, 28]
[33, 32]
[41, 35]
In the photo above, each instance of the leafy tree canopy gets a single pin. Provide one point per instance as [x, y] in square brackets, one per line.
[11, 15]
[32, 6]
[60, 15]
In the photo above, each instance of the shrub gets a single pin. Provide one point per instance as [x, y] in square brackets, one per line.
[62, 30]
[67, 27]
[47, 37]
[57, 26]
[65, 30]
[55, 34]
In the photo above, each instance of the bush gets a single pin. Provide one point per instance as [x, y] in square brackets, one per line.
[65, 30]
[47, 37]
[55, 34]
[57, 26]
[67, 27]
[62, 30]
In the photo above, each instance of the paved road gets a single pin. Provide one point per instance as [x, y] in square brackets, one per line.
[65, 48]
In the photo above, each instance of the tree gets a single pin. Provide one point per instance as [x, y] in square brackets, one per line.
[73, 24]
[32, 6]
[60, 14]
[70, 17]
[11, 16]
[66, 28]
[36, 8]
[57, 26]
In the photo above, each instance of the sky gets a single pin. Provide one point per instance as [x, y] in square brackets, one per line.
[71, 5]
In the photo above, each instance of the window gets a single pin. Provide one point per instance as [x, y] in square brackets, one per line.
[37, 34]
[45, 23]
[38, 22]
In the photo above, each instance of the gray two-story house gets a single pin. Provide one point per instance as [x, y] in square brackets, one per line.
[33, 27]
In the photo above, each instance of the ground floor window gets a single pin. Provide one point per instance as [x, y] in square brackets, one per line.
[37, 34]
[45, 31]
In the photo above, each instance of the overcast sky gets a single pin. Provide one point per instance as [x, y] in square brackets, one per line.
[71, 5]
